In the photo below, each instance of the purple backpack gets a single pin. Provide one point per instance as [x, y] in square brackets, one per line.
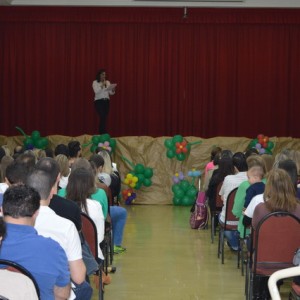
[199, 215]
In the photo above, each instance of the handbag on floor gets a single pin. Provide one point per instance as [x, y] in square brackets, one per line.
[199, 213]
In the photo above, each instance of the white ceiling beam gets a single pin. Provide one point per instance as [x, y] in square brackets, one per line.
[245, 3]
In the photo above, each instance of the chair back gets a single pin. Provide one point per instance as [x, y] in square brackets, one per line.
[229, 216]
[89, 231]
[15, 267]
[218, 200]
[276, 239]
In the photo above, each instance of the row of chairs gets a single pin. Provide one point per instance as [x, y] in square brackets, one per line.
[272, 245]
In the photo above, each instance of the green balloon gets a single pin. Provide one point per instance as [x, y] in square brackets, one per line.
[192, 192]
[93, 148]
[96, 139]
[138, 185]
[141, 178]
[253, 143]
[175, 187]
[44, 142]
[28, 141]
[180, 156]
[179, 193]
[169, 143]
[270, 145]
[104, 137]
[148, 173]
[139, 169]
[185, 185]
[147, 182]
[38, 143]
[187, 201]
[170, 153]
[113, 143]
[268, 151]
[177, 139]
[35, 135]
[176, 201]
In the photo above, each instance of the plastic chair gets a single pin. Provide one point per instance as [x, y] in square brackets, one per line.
[15, 267]
[214, 213]
[273, 244]
[229, 217]
[89, 231]
[281, 274]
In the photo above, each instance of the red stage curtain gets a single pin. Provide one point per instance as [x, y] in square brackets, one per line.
[220, 72]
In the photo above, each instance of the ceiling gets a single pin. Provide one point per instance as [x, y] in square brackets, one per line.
[158, 3]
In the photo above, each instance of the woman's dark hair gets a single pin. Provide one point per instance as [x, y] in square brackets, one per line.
[98, 160]
[99, 74]
[215, 151]
[61, 149]
[225, 168]
[74, 148]
[81, 185]
[239, 161]
[226, 153]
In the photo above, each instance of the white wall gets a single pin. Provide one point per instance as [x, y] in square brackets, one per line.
[245, 3]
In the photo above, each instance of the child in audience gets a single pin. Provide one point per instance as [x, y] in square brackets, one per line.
[255, 177]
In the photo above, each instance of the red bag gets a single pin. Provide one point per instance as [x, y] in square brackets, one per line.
[199, 214]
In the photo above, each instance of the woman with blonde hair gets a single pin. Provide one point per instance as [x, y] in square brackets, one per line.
[63, 163]
[279, 195]
[118, 214]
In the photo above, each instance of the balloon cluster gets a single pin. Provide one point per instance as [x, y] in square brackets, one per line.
[34, 141]
[262, 144]
[140, 175]
[184, 192]
[178, 147]
[103, 141]
[129, 196]
[135, 179]
[131, 180]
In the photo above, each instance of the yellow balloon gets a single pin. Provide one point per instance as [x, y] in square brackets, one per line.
[135, 179]
[132, 184]
[126, 181]
[129, 194]
[129, 176]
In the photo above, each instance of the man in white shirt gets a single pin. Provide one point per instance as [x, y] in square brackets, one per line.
[231, 182]
[62, 230]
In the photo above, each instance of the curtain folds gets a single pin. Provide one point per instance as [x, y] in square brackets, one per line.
[220, 72]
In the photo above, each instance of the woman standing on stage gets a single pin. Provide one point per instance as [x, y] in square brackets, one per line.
[103, 89]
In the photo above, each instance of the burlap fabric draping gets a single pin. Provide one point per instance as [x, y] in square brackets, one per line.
[151, 152]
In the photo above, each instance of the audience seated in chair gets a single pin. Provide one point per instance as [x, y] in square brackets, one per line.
[64, 168]
[98, 194]
[80, 187]
[9, 280]
[231, 182]
[287, 165]
[62, 230]
[279, 196]
[75, 151]
[253, 162]
[44, 258]
[118, 214]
